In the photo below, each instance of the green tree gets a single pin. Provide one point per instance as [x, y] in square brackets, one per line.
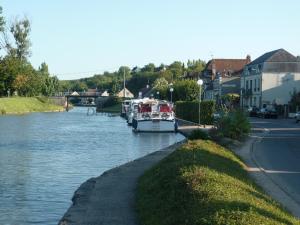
[20, 29]
[43, 68]
[2, 30]
[177, 69]
[161, 85]
[27, 81]
[196, 66]
[126, 70]
[186, 90]
[295, 101]
[149, 68]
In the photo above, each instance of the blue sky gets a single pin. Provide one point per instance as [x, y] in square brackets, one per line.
[79, 38]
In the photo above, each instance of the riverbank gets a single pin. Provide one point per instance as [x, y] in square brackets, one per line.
[110, 198]
[22, 105]
[204, 183]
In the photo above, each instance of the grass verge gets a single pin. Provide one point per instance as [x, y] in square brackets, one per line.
[112, 109]
[204, 183]
[19, 105]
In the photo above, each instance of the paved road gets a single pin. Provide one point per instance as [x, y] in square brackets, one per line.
[277, 152]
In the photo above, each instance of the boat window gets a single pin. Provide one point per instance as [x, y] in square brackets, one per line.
[164, 108]
[145, 108]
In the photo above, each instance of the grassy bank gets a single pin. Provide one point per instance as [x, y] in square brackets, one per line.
[204, 183]
[112, 109]
[25, 105]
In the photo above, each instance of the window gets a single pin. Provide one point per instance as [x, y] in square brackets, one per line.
[258, 84]
[255, 85]
[247, 85]
[251, 85]
[259, 67]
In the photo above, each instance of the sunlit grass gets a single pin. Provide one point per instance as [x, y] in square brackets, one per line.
[19, 105]
[204, 183]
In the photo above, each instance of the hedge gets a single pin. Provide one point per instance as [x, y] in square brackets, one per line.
[189, 110]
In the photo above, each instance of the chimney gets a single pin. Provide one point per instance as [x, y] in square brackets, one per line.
[248, 59]
[213, 69]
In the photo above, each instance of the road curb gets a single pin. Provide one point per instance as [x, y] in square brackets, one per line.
[263, 179]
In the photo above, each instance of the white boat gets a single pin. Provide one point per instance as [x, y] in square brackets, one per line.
[125, 107]
[154, 116]
[133, 109]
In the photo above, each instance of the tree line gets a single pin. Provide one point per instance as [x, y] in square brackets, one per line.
[157, 77]
[17, 75]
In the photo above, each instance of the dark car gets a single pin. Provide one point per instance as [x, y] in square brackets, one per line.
[267, 113]
[253, 111]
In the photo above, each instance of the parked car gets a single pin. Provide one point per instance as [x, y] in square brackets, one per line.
[267, 113]
[216, 116]
[297, 117]
[253, 111]
[297, 114]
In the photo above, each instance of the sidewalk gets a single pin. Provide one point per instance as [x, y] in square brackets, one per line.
[186, 127]
[110, 198]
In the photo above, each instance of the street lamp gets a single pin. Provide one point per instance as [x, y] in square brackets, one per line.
[199, 82]
[171, 90]
[157, 94]
[220, 89]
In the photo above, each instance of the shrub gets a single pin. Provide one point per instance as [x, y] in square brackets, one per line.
[3, 111]
[198, 134]
[112, 100]
[189, 110]
[185, 90]
[233, 125]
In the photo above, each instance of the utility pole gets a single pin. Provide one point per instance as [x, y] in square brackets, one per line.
[124, 82]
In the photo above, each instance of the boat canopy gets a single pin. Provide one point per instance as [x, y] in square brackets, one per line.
[145, 108]
[165, 108]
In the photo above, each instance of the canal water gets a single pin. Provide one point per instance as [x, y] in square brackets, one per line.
[44, 157]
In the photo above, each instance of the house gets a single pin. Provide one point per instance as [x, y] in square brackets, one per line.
[270, 79]
[105, 94]
[145, 92]
[75, 93]
[222, 76]
[125, 93]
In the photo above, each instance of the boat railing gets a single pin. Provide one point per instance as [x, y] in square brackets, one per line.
[154, 115]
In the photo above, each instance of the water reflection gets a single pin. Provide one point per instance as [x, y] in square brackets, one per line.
[44, 157]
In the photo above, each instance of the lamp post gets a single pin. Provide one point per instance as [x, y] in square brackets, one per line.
[157, 94]
[199, 82]
[220, 89]
[171, 90]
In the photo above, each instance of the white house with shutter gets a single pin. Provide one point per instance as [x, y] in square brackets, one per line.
[270, 79]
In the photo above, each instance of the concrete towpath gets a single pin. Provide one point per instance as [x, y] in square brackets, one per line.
[186, 127]
[110, 198]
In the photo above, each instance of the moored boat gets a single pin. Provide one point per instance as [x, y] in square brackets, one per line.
[125, 107]
[133, 109]
[154, 116]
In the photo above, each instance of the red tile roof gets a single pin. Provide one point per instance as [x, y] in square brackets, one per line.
[233, 65]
